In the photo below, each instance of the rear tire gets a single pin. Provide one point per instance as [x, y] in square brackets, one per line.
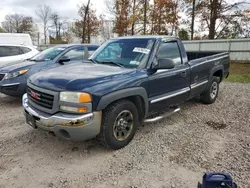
[211, 93]
[119, 123]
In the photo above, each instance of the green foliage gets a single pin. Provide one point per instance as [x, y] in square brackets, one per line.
[239, 72]
[57, 40]
[183, 34]
[244, 78]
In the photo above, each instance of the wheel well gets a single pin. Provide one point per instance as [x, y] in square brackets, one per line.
[138, 102]
[219, 74]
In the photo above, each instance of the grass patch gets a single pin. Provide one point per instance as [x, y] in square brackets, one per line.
[239, 72]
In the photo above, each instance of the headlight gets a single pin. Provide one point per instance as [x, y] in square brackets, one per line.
[75, 97]
[15, 74]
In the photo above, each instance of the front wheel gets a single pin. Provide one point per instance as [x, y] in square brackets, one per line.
[211, 93]
[119, 123]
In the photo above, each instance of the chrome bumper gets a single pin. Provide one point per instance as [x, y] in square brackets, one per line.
[65, 126]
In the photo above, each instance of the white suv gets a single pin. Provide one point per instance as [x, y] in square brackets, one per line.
[10, 53]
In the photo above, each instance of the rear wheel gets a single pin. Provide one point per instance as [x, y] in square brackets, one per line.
[119, 123]
[211, 93]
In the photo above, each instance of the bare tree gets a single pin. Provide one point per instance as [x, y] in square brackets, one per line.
[18, 23]
[86, 11]
[12, 23]
[57, 24]
[44, 12]
[88, 24]
[110, 5]
[106, 27]
[217, 14]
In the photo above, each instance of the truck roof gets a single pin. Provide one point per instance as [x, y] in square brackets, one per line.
[148, 37]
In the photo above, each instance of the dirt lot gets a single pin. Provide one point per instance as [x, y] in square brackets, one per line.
[172, 153]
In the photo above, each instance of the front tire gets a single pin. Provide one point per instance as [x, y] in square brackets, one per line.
[211, 93]
[119, 123]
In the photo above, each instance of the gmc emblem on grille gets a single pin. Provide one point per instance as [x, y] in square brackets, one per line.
[35, 95]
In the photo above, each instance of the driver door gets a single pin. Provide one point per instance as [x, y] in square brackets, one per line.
[170, 86]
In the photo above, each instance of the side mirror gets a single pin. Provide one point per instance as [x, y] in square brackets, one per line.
[165, 63]
[64, 59]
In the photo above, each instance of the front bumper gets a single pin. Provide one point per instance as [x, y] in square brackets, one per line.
[13, 89]
[65, 126]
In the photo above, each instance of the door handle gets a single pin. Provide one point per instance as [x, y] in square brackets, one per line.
[183, 73]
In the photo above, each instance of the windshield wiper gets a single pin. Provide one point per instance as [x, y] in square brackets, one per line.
[106, 62]
[112, 63]
[32, 60]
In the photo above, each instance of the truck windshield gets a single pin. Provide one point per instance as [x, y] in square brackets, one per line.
[129, 53]
[48, 54]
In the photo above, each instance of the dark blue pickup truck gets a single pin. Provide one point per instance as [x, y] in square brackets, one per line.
[127, 81]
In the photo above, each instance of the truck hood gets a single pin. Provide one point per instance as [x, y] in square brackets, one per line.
[86, 77]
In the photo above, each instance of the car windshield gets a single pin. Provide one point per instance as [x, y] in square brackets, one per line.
[129, 53]
[48, 54]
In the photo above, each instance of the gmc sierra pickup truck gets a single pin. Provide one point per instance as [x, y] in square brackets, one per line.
[127, 81]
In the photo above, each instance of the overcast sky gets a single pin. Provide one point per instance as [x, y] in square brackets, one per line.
[67, 9]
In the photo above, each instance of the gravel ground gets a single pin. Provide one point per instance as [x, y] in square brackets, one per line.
[172, 153]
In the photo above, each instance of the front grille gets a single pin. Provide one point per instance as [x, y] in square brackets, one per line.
[2, 76]
[44, 100]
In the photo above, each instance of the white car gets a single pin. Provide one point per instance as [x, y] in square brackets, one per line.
[11, 53]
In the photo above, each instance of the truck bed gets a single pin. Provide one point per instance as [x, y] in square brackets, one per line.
[197, 55]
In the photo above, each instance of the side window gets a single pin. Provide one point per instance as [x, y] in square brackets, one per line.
[2, 51]
[170, 50]
[25, 49]
[75, 54]
[92, 49]
[6, 51]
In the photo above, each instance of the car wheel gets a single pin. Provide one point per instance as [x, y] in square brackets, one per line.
[119, 123]
[211, 92]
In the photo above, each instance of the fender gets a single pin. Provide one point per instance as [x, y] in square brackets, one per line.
[216, 68]
[114, 96]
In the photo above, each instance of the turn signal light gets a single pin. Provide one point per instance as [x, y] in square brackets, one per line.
[82, 110]
[74, 109]
[84, 97]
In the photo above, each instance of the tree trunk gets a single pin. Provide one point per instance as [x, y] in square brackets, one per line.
[213, 18]
[172, 30]
[84, 22]
[88, 26]
[145, 17]
[133, 29]
[59, 31]
[159, 24]
[193, 17]
[133, 21]
[45, 35]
